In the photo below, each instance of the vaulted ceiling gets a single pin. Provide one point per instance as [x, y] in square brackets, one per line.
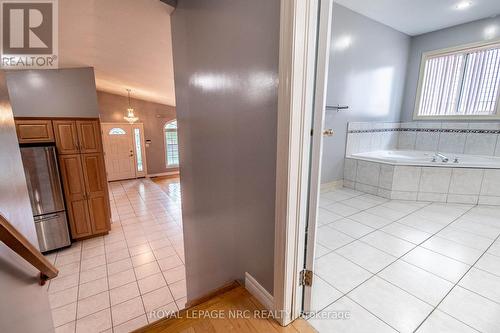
[128, 42]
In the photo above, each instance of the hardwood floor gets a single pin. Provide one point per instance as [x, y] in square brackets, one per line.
[232, 311]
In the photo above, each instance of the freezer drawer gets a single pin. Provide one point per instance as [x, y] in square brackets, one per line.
[52, 231]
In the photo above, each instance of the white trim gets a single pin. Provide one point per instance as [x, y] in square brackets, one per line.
[259, 292]
[320, 87]
[298, 27]
[451, 50]
[170, 173]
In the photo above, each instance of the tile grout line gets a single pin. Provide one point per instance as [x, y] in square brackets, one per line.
[397, 258]
[456, 284]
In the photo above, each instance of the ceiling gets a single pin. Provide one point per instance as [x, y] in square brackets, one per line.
[128, 42]
[415, 17]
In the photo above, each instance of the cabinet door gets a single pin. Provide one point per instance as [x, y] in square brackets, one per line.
[66, 136]
[89, 136]
[75, 195]
[34, 131]
[97, 190]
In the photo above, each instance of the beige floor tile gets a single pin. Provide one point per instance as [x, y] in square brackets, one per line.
[93, 262]
[157, 298]
[147, 270]
[118, 243]
[93, 274]
[97, 322]
[92, 288]
[169, 263]
[68, 269]
[61, 283]
[65, 259]
[92, 304]
[151, 283]
[122, 278]
[93, 252]
[66, 328]
[164, 252]
[64, 314]
[119, 266]
[139, 249]
[126, 311]
[131, 325]
[63, 297]
[143, 259]
[178, 289]
[117, 255]
[175, 274]
[181, 303]
[124, 293]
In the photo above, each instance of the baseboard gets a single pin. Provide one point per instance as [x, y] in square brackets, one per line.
[257, 291]
[171, 173]
[332, 185]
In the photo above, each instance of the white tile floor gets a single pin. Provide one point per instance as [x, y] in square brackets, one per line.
[405, 266]
[112, 283]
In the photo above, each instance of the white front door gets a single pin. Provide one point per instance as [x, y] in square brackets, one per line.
[119, 156]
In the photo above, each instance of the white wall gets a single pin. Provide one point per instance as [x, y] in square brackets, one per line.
[53, 93]
[226, 68]
[367, 73]
[462, 34]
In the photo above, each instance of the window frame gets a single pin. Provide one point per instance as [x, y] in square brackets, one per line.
[449, 51]
[170, 166]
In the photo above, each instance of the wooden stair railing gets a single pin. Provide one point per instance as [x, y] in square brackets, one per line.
[19, 244]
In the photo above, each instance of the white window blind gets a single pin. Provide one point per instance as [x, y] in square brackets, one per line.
[461, 83]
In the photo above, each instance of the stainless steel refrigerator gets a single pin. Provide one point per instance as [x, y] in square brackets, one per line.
[44, 187]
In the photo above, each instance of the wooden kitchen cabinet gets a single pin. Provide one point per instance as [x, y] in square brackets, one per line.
[97, 191]
[89, 136]
[75, 193]
[34, 131]
[81, 162]
[66, 136]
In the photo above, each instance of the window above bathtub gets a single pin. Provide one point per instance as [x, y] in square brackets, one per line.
[460, 83]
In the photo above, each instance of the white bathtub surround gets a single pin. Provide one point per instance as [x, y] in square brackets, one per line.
[448, 137]
[411, 176]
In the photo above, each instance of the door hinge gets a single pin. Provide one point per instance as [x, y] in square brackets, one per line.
[306, 278]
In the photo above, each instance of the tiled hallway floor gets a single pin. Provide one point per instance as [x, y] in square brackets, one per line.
[405, 266]
[112, 283]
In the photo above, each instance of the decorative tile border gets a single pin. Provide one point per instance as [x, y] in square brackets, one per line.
[436, 130]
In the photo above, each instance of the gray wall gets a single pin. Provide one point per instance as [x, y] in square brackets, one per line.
[454, 36]
[368, 76]
[153, 115]
[24, 305]
[226, 69]
[53, 93]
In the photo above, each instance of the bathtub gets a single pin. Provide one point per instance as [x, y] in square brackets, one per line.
[411, 175]
[424, 158]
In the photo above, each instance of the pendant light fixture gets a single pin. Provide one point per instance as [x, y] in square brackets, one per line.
[130, 117]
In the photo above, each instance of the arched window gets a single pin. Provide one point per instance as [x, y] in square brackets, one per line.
[117, 131]
[171, 145]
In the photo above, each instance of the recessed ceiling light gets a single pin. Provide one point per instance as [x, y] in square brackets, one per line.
[463, 5]
[491, 32]
[342, 43]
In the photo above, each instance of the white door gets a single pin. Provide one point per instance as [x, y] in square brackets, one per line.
[119, 154]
